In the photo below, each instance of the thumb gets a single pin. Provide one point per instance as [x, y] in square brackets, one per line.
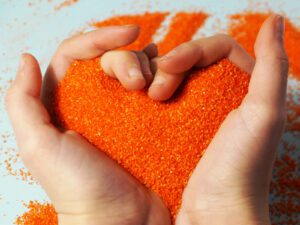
[269, 77]
[244, 147]
[23, 97]
[264, 106]
[29, 117]
[28, 79]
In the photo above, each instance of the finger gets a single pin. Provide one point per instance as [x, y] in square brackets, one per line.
[199, 53]
[91, 45]
[164, 85]
[257, 123]
[85, 46]
[29, 117]
[145, 66]
[269, 78]
[203, 52]
[151, 50]
[126, 67]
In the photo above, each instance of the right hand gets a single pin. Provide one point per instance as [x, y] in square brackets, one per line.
[230, 185]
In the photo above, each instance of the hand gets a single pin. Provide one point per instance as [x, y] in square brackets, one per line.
[232, 195]
[85, 186]
[230, 185]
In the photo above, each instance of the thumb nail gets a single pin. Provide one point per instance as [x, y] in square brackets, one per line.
[129, 26]
[280, 27]
[21, 64]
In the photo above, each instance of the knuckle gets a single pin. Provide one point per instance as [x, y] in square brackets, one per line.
[260, 114]
[276, 60]
[26, 150]
[131, 54]
[273, 54]
[123, 54]
[273, 58]
[192, 47]
[95, 44]
[32, 146]
[63, 44]
[273, 116]
[110, 56]
[10, 95]
[228, 41]
[189, 45]
[225, 36]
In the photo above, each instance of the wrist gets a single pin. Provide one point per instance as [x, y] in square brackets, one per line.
[218, 212]
[147, 208]
[68, 219]
[237, 217]
[87, 219]
[83, 215]
[98, 213]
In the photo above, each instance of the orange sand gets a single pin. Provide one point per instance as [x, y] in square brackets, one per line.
[148, 22]
[38, 214]
[158, 143]
[182, 28]
[244, 28]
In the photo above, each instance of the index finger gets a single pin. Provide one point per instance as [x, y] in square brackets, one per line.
[172, 67]
[203, 52]
[84, 46]
[90, 45]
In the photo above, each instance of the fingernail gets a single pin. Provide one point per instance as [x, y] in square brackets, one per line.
[21, 63]
[135, 73]
[129, 26]
[159, 80]
[280, 27]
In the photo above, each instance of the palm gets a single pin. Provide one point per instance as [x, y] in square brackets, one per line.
[236, 168]
[85, 186]
[234, 173]
[84, 178]
[80, 179]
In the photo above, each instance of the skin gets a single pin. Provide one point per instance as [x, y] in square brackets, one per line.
[231, 183]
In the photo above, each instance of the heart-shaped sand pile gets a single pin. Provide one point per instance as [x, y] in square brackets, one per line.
[159, 143]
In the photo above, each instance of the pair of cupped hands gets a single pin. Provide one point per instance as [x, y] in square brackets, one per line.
[230, 185]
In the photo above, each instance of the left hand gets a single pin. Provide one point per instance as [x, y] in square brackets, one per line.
[85, 186]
